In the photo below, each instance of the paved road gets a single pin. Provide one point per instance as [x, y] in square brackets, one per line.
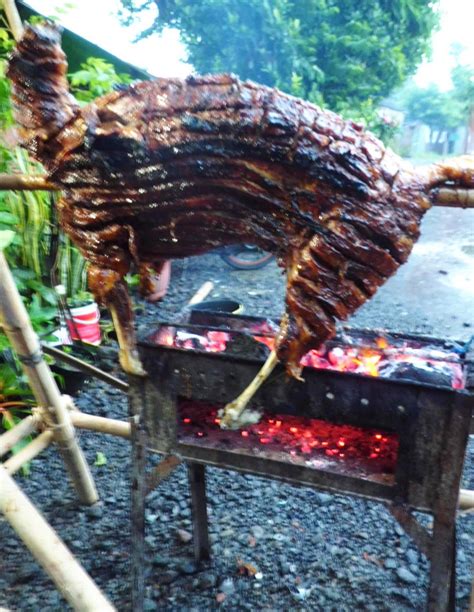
[434, 291]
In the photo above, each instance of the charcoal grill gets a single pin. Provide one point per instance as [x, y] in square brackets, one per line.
[425, 421]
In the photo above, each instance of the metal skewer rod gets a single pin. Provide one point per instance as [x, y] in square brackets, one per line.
[85, 367]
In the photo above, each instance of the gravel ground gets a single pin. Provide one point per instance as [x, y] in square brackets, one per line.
[313, 550]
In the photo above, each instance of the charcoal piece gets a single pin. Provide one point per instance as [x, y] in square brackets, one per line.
[420, 373]
[245, 345]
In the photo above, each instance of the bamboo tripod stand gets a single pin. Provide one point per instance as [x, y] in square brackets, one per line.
[53, 421]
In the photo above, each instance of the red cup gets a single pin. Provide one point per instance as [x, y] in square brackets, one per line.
[85, 324]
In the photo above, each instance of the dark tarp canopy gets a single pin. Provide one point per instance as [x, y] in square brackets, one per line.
[78, 49]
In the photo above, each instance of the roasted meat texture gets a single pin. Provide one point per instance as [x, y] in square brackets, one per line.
[171, 168]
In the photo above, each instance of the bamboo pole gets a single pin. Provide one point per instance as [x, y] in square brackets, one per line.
[455, 198]
[13, 18]
[24, 428]
[15, 322]
[25, 182]
[29, 452]
[48, 549]
[451, 197]
[100, 424]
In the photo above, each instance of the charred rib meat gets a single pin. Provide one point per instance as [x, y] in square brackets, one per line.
[171, 168]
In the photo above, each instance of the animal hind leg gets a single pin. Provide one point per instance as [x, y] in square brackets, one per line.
[235, 414]
[111, 290]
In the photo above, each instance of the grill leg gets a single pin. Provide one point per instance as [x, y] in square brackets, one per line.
[442, 587]
[441, 596]
[138, 493]
[197, 484]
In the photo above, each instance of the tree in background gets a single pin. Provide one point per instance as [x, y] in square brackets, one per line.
[463, 82]
[439, 110]
[344, 54]
[442, 111]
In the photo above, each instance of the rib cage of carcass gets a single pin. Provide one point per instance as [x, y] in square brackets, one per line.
[171, 168]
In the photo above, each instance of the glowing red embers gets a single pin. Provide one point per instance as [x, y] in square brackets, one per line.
[379, 359]
[307, 440]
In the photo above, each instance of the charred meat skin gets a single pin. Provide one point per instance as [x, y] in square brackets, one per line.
[171, 168]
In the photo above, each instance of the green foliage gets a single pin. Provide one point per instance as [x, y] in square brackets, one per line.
[70, 268]
[81, 298]
[25, 217]
[438, 109]
[100, 459]
[6, 238]
[15, 402]
[441, 111]
[339, 53]
[28, 232]
[95, 78]
[462, 77]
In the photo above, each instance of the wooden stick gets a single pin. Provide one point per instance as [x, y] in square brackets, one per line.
[23, 429]
[25, 182]
[100, 424]
[202, 293]
[87, 368]
[164, 469]
[29, 452]
[17, 326]
[48, 549]
[13, 18]
[466, 499]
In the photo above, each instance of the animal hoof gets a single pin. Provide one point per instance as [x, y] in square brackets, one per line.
[232, 418]
[131, 364]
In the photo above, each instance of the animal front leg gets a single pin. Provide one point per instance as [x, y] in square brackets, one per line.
[110, 290]
[235, 415]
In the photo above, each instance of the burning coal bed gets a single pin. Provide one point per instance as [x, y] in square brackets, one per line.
[387, 357]
[310, 442]
[314, 443]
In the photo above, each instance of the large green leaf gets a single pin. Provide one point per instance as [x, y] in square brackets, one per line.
[7, 218]
[6, 238]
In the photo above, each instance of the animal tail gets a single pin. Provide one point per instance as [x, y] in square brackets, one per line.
[41, 99]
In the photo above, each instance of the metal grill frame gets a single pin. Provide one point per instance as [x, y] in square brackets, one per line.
[432, 423]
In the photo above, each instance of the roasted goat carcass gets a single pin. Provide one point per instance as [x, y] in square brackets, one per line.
[171, 168]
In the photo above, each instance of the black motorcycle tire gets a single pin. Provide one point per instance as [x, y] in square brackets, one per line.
[233, 258]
